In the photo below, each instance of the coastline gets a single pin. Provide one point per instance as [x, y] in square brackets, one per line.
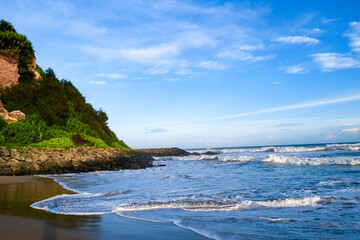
[17, 193]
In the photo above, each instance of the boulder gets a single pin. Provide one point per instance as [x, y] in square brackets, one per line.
[12, 116]
[18, 115]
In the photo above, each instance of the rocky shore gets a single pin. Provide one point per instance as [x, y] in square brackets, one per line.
[163, 152]
[30, 161]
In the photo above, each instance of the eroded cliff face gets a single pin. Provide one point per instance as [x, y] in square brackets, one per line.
[9, 75]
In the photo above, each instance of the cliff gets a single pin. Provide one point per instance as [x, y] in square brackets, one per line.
[9, 75]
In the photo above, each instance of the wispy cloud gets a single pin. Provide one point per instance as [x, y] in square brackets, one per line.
[299, 69]
[352, 130]
[316, 103]
[212, 65]
[183, 71]
[112, 75]
[354, 36]
[158, 70]
[334, 61]
[297, 40]
[328, 20]
[243, 56]
[97, 82]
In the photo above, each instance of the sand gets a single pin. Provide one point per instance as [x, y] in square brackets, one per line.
[19, 221]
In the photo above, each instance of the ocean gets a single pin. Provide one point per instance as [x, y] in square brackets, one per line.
[272, 192]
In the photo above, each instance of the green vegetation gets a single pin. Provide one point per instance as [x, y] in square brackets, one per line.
[57, 114]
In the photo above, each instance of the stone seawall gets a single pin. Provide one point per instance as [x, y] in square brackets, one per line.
[32, 161]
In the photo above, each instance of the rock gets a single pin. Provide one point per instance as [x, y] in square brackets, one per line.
[195, 153]
[9, 75]
[163, 152]
[14, 153]
[4, 152]
[12, 116]
[51, 161]
[210, 153]
[18, 115]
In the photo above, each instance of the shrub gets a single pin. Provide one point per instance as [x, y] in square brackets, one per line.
[63, 142]
[120, 144]
[98, 142]
[3, 123]
[76, 126]
[79, 140]
[31, 130]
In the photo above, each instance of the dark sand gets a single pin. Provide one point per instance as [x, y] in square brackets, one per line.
[19, 221]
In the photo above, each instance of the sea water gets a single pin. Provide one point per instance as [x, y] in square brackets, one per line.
[290, 192]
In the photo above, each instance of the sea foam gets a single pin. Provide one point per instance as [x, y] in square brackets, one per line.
[352, 161]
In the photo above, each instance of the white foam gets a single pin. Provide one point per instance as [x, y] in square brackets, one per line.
[352, 161]
[220, 206]
[235, 158]
[345, 146]
[195, 158]
[291, 202]
[276, 149]
[273, 219]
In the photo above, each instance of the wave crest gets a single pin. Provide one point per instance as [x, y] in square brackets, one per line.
[352, 161]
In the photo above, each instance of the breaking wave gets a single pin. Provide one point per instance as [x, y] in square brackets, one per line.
[277, 149]
[221, 206]
[352, 161]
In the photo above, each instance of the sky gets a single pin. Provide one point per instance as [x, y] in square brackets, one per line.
[198, 74]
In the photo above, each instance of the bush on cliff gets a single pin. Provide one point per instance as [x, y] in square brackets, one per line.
[63, 142]
[3, 123]
[31, 130]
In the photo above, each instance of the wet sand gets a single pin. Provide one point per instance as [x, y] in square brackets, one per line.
[19, 221]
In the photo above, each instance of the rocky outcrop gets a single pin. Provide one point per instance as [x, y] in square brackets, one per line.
[9, 75]
[12, 116]
[81, 159]
[32, 68]
[163, 152]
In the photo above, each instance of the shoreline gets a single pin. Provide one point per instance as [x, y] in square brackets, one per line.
[17, 193]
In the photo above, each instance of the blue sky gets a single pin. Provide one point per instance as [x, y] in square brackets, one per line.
[205, 73]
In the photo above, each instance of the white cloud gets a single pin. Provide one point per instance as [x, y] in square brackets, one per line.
[354, 36]
[158, 70]
[173, 79]
[328, 20]
[349, 124]
[97, 82]
[183, 71]
[243, 56]
[316, 31]
[112, 75]
[295, 69]
[352, 130]
[212, 65]
[316, 103]
[297, 40]
[333, 61]
[159, 54]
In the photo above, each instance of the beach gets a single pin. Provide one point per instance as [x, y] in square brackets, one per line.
[20, 221]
